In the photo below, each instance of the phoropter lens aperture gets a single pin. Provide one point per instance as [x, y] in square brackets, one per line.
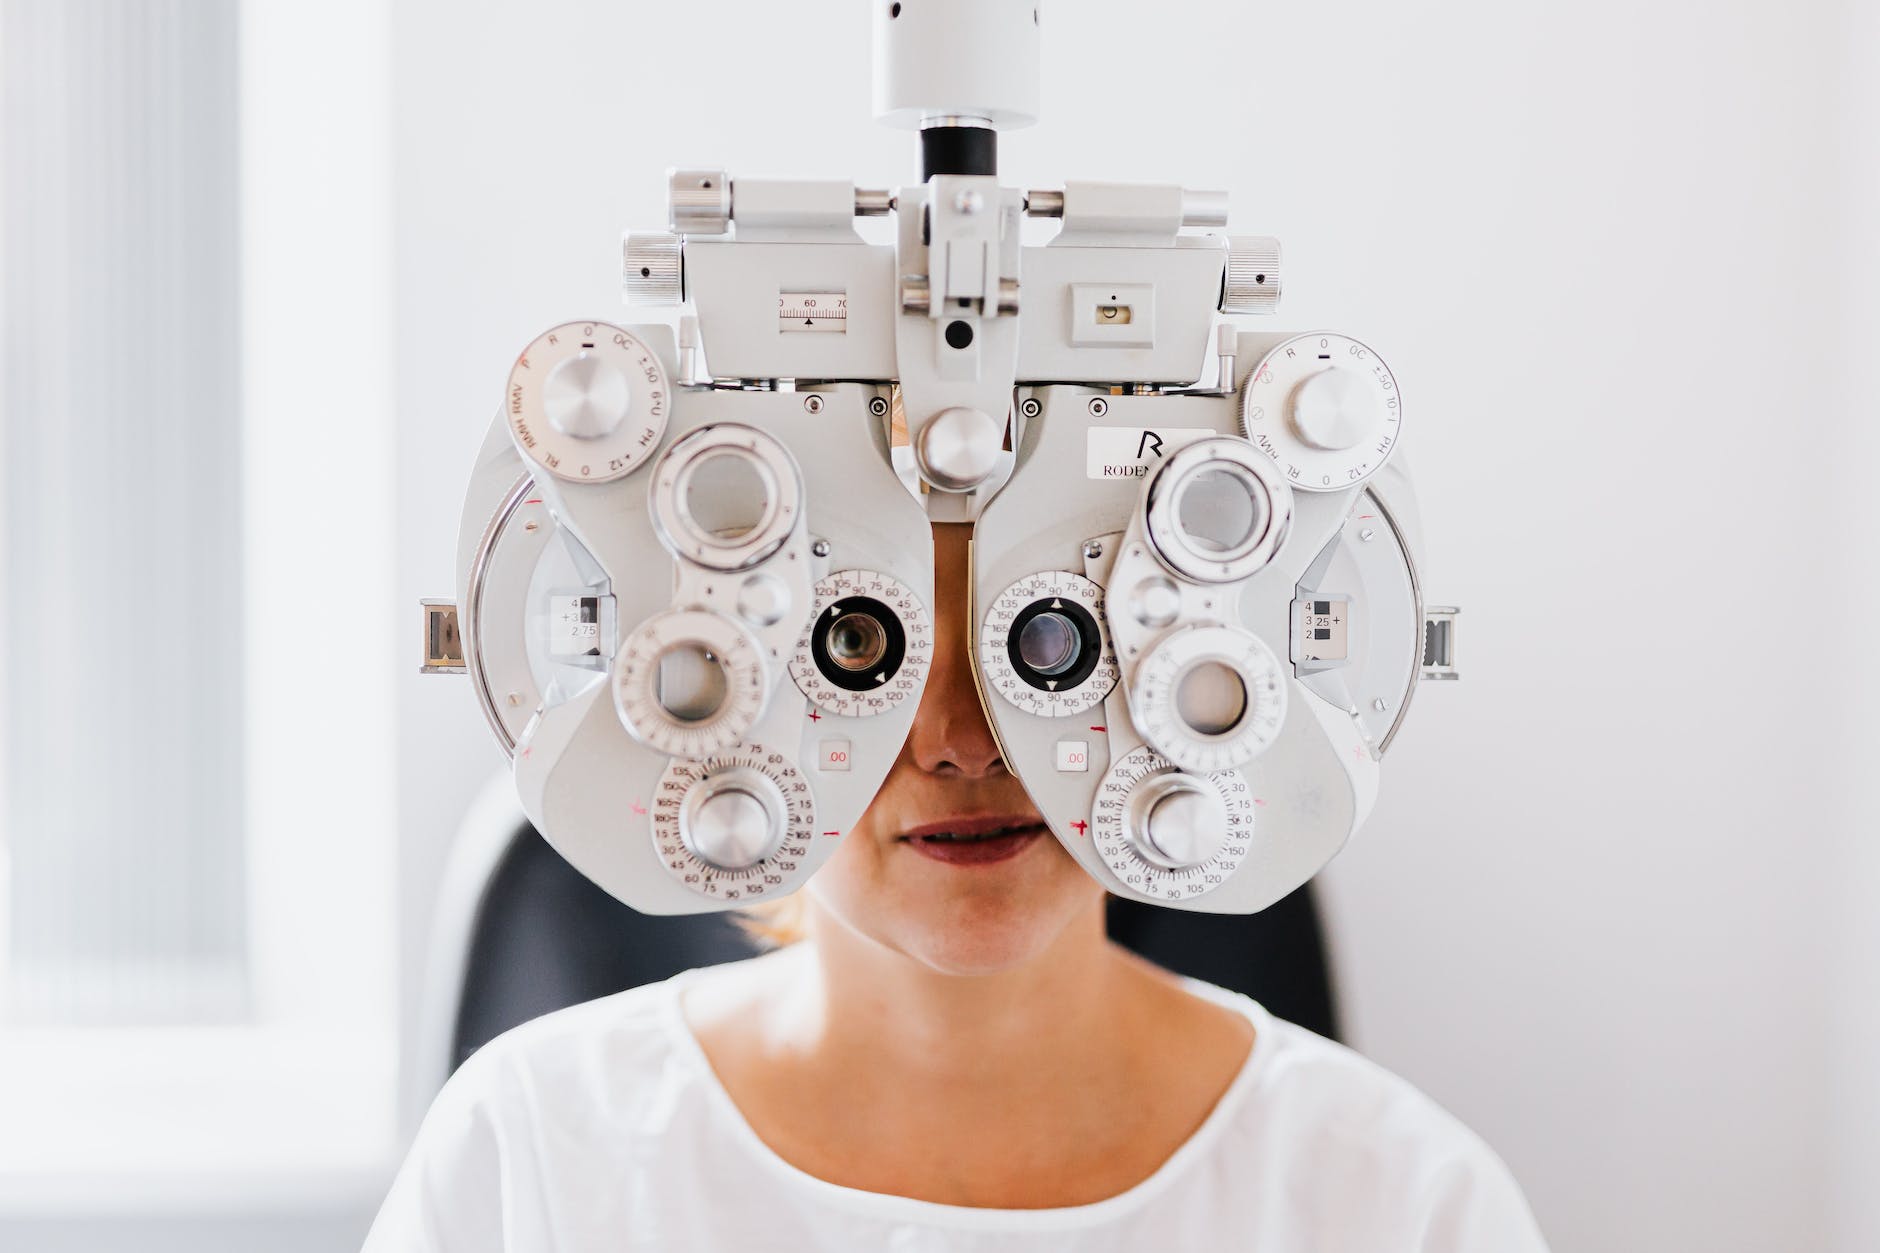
[727, 495]
[1048, 643]
[690, 683]
[858, 643]
[1220, 510]
[1211, 698]
[1054, 644]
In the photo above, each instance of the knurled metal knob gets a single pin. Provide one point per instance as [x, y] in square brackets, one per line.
[652, 268]
[1177, 821]
[733, 820]
[1252, 282]
[699, 202]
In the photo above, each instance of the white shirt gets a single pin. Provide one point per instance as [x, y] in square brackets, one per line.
[602, 1126]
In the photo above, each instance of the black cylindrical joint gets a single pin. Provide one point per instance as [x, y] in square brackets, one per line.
[958, 150]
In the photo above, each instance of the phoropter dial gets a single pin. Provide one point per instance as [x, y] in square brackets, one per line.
[1325, 408]
[1044, 646]
[1209, 697]
[690, 683]
[1217, 511]
[587, 402]
[736, 825]
[1169, 834]
[867, 647]
[726, 496]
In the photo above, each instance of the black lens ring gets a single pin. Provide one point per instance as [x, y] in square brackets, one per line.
[893, 652]
[1089, 644]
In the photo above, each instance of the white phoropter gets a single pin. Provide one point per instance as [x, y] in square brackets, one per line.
[695, 593]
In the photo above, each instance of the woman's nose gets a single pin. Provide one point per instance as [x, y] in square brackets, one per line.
[951, 735]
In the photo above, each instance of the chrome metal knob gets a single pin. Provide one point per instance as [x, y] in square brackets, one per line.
[958, 448]
[698, 202]
[652, 268]
[734, 819]
[586, 396]
[1177, 821]
[1204, 208]
[1252, 282]
[1337, 409]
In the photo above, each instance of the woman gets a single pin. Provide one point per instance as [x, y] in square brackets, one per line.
[950, 1055]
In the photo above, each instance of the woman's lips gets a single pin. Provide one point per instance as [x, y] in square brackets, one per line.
[974, 841]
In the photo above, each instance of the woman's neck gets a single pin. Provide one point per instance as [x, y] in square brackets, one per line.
[1045, 1084]
[866, 998]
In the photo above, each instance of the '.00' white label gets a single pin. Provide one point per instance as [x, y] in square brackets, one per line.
[1129, 452]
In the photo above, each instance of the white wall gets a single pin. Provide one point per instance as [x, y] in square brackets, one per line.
[1854, 1130]
[1608, 909]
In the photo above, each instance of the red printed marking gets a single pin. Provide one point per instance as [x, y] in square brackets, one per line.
[814, 716]
[1080, 826]
[1099, 728]
[832, 833]
[1260, 801]
[533, 500]
[637, 807]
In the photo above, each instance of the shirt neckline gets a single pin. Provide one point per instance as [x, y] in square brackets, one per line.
[893, 1208]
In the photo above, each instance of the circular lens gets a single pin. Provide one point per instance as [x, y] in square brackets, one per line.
[727, 495]
[1054, 644]
[857, 641]
[1220, 510]
[690, 684]
[1211, 698]
[1048, 643]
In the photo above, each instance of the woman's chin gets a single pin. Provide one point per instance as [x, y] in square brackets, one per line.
[964, 912]
[979, 935]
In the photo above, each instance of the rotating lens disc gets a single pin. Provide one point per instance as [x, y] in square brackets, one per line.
[587, 402]
[1044, 646]
[689, 683]
[1217, 511]
[686, 790]
[726, 496]
[1121, 826]
[1209, 698]
[867, 647]
[1324, 408]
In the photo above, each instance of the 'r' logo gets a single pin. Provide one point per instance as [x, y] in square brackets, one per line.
[1142, 446]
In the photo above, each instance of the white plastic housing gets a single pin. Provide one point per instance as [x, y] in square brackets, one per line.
[969, 58]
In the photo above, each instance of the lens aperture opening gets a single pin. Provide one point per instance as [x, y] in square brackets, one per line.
[858, 643]
[690, 683]
[1054, 644]
[1211, 698]
[1049, 643]
[726, 496]
[1220, 510]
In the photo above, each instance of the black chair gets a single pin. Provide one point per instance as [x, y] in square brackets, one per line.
[542, 937]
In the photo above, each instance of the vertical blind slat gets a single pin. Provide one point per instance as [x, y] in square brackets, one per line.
[121, 593]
